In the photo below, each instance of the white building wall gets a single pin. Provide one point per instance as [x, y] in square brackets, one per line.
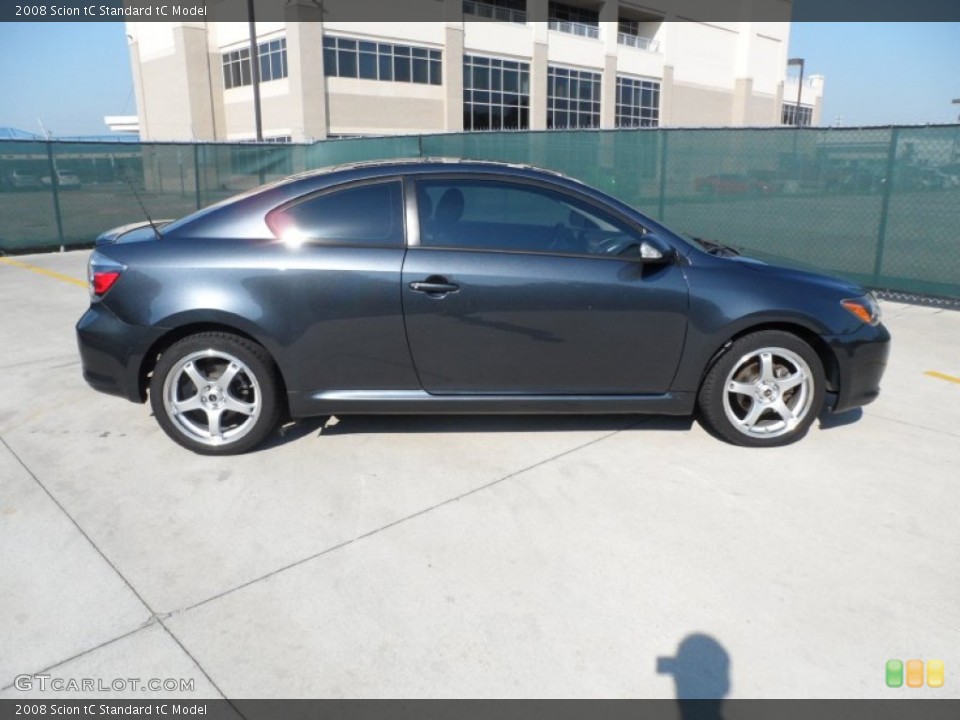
[702, 55]
[574, 51]
[400, 108]
[711, 73]
[232, 33]
[634, 61]
[500, 39]
[417, 33]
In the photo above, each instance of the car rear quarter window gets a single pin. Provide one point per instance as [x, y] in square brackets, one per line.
[362, 215]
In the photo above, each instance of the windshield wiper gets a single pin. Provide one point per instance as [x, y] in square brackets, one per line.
[715, 248]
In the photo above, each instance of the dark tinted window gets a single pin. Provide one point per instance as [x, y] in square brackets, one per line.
[504, 215]
[361, 215]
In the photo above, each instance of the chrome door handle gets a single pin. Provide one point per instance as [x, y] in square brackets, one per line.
[434, 287]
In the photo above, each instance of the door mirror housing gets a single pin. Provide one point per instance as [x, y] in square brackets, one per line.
[648, 252]
[644, 251]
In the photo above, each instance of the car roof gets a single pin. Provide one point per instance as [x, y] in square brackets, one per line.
[422, 165]
[225, 217]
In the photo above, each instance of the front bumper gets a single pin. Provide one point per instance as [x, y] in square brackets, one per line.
[111, 352]
[861, 362]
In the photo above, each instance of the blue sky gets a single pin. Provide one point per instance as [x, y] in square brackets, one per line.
[883, 73]
[72, 74]
[68, 74]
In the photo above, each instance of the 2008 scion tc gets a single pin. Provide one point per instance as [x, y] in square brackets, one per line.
[439, 286]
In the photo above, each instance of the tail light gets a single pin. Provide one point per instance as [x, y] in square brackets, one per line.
[103, 280]
[102, 274]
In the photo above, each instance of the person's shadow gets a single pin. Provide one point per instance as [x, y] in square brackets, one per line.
[701, 673]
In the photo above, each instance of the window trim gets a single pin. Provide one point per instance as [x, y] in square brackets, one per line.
[413, 208]
[523, 67]
[431, 55]
[240, 62]
[346, 185]
[790, 108]
[623, 112]
[553, 68]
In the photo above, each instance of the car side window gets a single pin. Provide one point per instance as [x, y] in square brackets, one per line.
[501, 215]
[364, 215]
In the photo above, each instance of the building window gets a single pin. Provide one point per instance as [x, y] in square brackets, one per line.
[273, 139]
[573, 98]
[347, 57]
[496, 94]
[788, 115]
[273, 64]
[514, 11]
[573, 20]
[638, 102]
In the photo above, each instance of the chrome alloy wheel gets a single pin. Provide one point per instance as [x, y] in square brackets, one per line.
[768, 393]
[212, 397]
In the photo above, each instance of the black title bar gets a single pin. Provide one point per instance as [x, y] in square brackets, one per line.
[393, 11]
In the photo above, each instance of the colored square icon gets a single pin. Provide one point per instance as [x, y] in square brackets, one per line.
[934, 673]
[914, 673]
[894, 673]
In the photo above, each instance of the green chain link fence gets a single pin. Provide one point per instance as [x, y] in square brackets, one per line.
[878, 205]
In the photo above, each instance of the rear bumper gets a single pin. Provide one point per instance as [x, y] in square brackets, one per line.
[861, 360]
[111, 352]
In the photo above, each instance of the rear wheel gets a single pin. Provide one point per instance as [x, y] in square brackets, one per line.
[765, 391]
[216, 393]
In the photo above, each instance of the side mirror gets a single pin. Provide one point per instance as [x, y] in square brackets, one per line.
[631, 248]
[650, 253]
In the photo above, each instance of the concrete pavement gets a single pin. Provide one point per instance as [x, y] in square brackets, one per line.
[471, 557]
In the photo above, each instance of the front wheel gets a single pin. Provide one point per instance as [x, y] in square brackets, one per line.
[216, 393]
[765, 391]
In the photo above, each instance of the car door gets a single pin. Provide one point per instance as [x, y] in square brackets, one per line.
[331, 289]
[515, 287]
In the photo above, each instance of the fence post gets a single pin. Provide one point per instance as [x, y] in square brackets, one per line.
[662, 202]
[885, 207]
[55, 188]
[196, 172]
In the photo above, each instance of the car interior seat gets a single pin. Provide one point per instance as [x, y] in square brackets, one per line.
[449, 212]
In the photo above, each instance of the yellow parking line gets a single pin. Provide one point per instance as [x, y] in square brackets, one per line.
[43, 271]
[942, 376]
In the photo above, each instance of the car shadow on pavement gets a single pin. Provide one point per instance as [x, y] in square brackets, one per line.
[829, 420]
[361, 424]
[701, 675]
[321, 427]
[292, 431]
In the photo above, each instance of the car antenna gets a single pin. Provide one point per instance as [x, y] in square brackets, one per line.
[118, 166]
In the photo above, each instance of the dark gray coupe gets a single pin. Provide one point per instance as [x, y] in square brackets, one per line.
[438, 286]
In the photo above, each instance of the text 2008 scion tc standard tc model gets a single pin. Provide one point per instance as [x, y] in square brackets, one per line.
[461, 287]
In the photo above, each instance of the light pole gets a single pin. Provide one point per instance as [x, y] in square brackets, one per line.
[790, 63]
[254, 69]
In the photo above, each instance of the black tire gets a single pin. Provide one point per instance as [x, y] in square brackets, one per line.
[247, 408]
[775, 411]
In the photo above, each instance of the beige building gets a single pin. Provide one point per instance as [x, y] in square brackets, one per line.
[482, 65]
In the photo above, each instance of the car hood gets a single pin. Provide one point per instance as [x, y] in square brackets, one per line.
[813, 277]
